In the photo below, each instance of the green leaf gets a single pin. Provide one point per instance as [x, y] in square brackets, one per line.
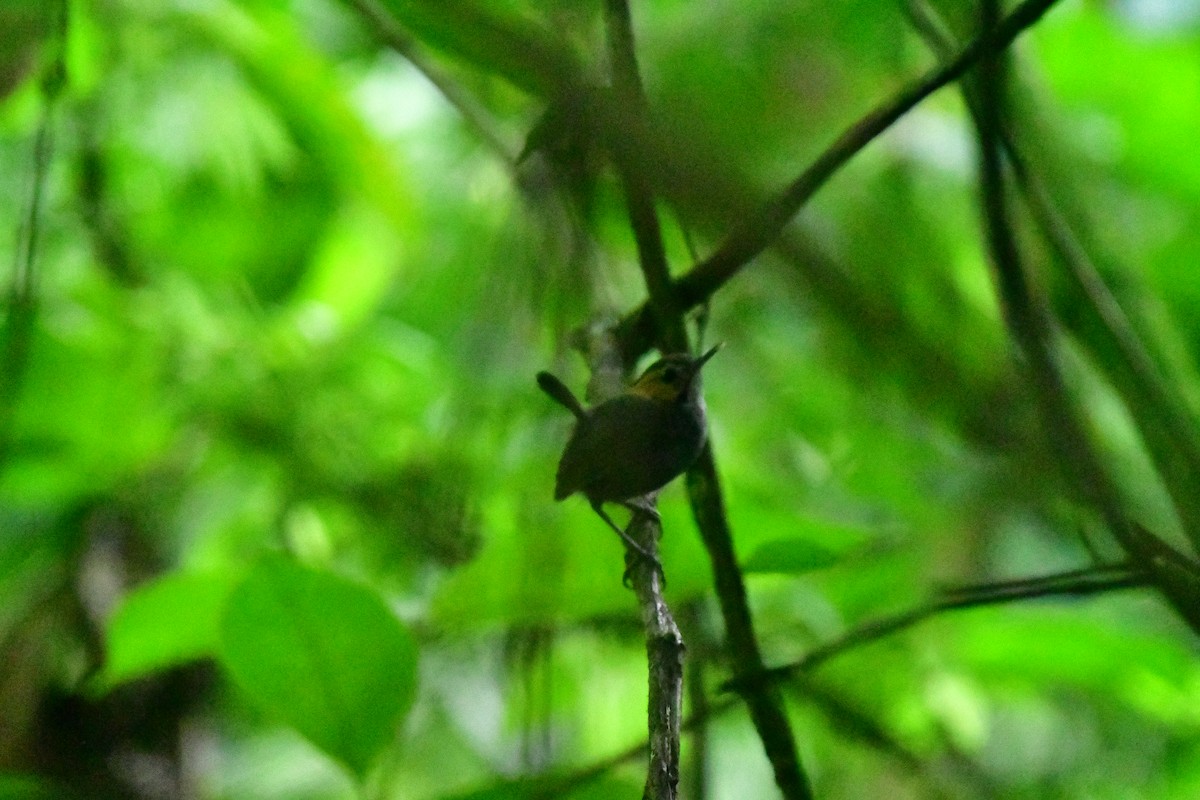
[791, 556]
[167, 622]
[322, 654]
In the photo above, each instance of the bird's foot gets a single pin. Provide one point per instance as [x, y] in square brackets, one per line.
[633, 550]
[641, 505]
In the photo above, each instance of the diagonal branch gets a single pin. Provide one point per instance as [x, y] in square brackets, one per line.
[1077, 583]
[637, 331]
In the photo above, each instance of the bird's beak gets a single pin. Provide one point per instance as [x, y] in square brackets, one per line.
[699, 362]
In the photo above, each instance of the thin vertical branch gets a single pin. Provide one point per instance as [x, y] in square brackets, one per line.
[763, 701]
[639, 194]
[664, 642]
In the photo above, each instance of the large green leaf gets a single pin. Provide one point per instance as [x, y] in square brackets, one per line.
[322, 654]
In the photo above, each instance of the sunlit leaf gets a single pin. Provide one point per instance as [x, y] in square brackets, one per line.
[168, 622]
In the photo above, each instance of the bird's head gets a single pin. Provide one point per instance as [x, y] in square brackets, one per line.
[671, 377]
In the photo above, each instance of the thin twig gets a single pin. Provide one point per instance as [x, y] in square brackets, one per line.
[22, 295]
[1169, 429]
[1172, 439]
[1031, 327]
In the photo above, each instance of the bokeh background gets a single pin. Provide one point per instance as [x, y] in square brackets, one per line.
[275, 478]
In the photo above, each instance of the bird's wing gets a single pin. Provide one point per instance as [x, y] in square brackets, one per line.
[606, 450]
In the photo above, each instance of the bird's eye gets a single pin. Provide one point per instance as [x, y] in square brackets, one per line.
[670, 375]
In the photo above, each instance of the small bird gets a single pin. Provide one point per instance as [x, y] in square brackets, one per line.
[635, 443]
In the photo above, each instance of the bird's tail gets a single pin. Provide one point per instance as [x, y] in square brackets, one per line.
[559, 392]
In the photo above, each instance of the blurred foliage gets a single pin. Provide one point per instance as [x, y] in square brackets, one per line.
[275, 479]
